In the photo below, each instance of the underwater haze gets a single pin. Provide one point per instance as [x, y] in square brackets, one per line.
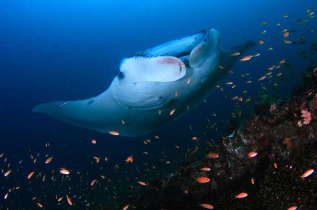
[70, 50]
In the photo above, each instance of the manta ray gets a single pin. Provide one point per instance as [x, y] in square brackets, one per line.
[153, 87]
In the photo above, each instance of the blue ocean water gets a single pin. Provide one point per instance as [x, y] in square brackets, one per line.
[67, 50]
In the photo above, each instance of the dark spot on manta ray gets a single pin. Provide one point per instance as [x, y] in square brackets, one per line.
[120, 74]
[90, 102]
[170, 103]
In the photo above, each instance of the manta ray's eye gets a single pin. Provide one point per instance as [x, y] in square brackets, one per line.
[120, 74]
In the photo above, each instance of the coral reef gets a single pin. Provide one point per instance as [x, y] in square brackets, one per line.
[264, 158]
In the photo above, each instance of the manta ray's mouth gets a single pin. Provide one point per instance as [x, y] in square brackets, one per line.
[176, 48]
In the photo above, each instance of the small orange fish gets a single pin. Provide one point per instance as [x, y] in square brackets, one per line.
[129, 159]
[194, 138]
[64, 171]
[7, 173]
[48, 160]
[172, 112]
[188, 80]
[213, 155]
[122, 121]
[287, 41]
[40, 205]
[142, 183]
[292, 208]
[30, 175]
[261, 42]
[126, 207]
[252, 181]
[229, 83]
[279, 74]
[93, 141]
[202, 179]
[242, 195]
[252, 154]
[246, 58]
[176, 93]
[286, 34]
[93, 182]
[221, 67]
[206, 206]
[235, 54]
[205, 169]
[262, 78]
[115, 133]
[275, 165]
[159, 112]
[69, 200]
[308, 173]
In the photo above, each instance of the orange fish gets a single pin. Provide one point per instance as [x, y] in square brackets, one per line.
[252, 181]
[69, 200]
[242, 195]
[188, 80]
[235, 54]
[287, 41]
[206, 206]
[40, 205]
[122, 121]
[202, 179]
[115, 133]
[246, 58]
[142, 183]
[261, 42]
[252, 154]
[275, 165]
[194, 138]
[176, 93]
[93, 182]
[64, 171]
[172, 112]
[129, 159]
[126, 207]
[205, 169]
[292, 208]
[7, 173]
[286, 34]
[30, 175]
[48, 160]
[229, 83]
[93, 141]
[213, 155]
[262, 78]
[308, 173]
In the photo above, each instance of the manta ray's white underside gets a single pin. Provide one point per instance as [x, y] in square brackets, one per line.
[152, 87]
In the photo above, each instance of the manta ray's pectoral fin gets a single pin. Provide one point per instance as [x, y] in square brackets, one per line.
[95, 113]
